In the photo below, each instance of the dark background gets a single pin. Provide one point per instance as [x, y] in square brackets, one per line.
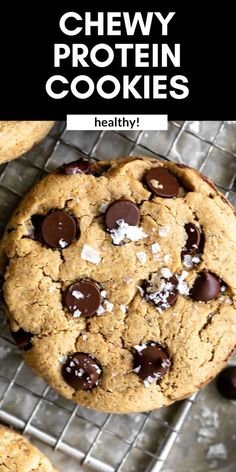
[207, 37]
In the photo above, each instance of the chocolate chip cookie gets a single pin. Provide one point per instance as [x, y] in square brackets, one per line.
[120, 282]
[17, 137]
[17, 454]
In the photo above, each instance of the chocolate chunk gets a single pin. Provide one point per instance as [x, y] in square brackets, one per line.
[226, 382]
[151, 362]
[163, 296]
[206, 287]
[122, 210]
[82, 298]
[34, 233]
[81, 371]
[162, 182]
[81, 166]
[183, 166]
[193, 239]
[58, 229]
[22, 339]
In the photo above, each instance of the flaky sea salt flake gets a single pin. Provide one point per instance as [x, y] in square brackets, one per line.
[103, 207]
[90, 254]
[77, 294]
[62, 359]
[108, 306]
[166, 273]
[62, 243]
[125, 231]
[100, 310]
[163, 231]
[155, 248]
[142, 257]
[76, 313]
[124, 308]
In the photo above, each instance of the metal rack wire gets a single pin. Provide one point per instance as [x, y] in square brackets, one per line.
[105, 442]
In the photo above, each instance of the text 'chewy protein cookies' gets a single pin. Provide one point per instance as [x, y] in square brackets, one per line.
[76, 167]
[151, 362]
[82, 371]
[58, 229]
[120, 282]
[206, 287]
[162, 182]
[82, 298]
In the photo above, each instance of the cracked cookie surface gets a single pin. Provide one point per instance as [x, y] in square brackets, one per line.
[148, 275]
[17, 454]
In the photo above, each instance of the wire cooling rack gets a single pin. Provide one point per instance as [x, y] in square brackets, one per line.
[104, 442]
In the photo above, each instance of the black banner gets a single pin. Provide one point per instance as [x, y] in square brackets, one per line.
[117, 61]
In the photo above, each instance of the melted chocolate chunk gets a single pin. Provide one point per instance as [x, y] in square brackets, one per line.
[193, 239]
[162, 182]
[58, 229]
[82, 298]
[207, 286]
[151, 362]
[81, 166]
[122, 210]
[81, 371]
[165, 295]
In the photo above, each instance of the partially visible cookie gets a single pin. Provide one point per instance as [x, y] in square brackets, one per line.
[17, 454]
[18, 137]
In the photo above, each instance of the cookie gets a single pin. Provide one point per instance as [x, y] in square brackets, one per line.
[18, 137]
[120, 282]
[17, 454]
